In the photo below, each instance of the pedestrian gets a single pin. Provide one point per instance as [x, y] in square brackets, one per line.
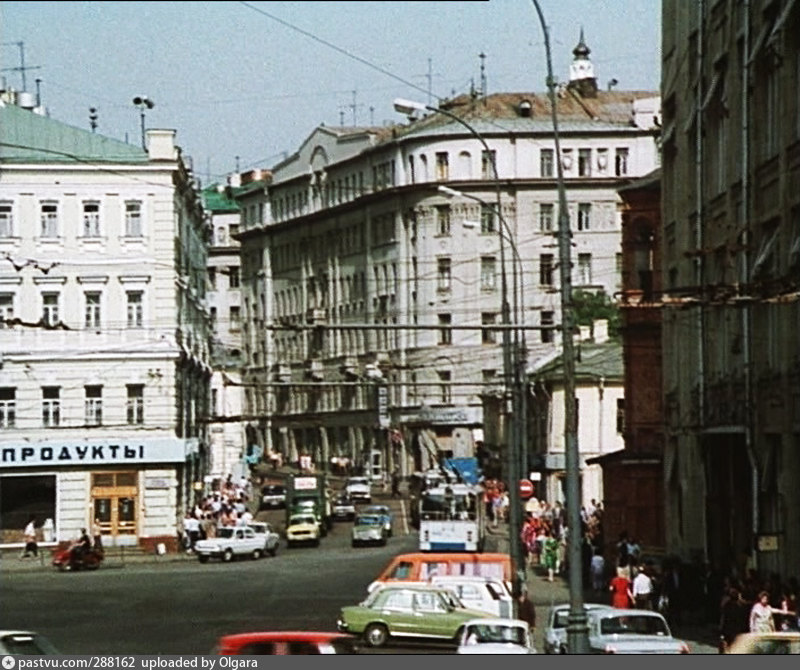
[761, 614]
[643, 589]
[620, 587]
[29, 536]
[598, 569]
[526, 611]
[191, 526]
[734, 618]
[395, 483]
[97, 535]
[549, 554]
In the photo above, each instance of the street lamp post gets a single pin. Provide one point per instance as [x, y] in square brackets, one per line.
[143, 102]
[510, 371]
[577, 629]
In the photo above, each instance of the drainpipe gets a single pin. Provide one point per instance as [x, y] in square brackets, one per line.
[745, 269]
[698, 261]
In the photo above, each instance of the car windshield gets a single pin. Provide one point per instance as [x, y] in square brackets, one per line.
[489, 633]
[272, 490]
[301, 519]
[377, 510]
[357, 480]
[633, 625]
[368, 521]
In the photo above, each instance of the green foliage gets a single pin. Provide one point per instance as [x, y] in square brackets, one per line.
[590, 305]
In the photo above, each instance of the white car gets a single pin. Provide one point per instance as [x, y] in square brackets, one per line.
[555, 633]
[495, 636]
[631, 631]
[479, 593]
[359, 489]
[271, 539]
[229, 543]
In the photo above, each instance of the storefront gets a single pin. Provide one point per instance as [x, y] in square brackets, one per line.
[135, 490]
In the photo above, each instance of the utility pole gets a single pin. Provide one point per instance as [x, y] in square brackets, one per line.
[577, 629]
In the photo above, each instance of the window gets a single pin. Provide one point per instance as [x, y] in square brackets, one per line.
[488, 335]
[443, 219]
[620, 415]
[488, 164]
[444, 386]
[443, 274]
[546, 163]
[772, 106]
[93, 405]
[233, 229]
[92, 314]
[50, 309]
[488, 273]
[91, 219]
[51, 406]
[584, 162]
[445, 332]
[546, 217]
[584, 215]
[212, 278]
[621, 162]
[133, 218]
[8, 407]
[235, 317]
[487, 218]
[135, 404]
[546, 269]
[213, 316]
[233, 277]
[6, 220]
[584, 269]
[49, 219]
[135, 307]
[6, 309]
[442, 166]
[547, 321]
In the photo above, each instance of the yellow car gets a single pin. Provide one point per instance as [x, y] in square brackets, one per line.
[303, 529]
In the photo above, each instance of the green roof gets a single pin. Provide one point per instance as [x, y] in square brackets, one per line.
[592, 361]
[27, 137]
[215, 199]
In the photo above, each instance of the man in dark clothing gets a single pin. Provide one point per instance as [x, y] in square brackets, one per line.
[526, 610]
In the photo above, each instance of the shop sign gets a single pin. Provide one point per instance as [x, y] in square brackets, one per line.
[93, 452]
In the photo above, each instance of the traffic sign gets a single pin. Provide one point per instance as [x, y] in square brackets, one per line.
[525, 488]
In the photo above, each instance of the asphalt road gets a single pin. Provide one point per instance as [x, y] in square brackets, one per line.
[183, 607]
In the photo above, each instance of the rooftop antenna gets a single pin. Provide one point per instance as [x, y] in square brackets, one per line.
[353, 107]
[371, 115]
[38, 92]
[22, 67]
[482, 56]
[237, 164]
[93, 118]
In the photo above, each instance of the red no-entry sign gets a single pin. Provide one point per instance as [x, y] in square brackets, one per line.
[525, 488]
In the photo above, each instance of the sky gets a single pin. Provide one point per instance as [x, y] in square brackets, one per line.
[245, 83]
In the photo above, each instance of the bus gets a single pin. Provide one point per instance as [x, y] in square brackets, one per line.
[452, 517]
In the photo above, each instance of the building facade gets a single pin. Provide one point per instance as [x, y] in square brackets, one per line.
[381, 293]
[103, 332]
[731, 263]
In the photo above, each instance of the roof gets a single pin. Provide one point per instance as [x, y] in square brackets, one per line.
[592, 361]
[499, 113]
[218, 199]
[28, 137]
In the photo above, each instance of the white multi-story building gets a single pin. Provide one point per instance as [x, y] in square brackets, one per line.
[379, 291]
[103, 334]
[232, 442]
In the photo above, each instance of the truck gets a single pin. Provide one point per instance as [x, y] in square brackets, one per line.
[310, 493]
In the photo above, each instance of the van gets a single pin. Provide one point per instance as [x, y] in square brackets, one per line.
[422, 566]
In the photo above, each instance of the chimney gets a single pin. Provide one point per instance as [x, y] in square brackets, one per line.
[600, 327]
[161, 145]
[585, 333]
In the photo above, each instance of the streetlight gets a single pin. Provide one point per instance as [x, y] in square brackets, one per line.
[577, 629]
[408, 107]
[143, 102]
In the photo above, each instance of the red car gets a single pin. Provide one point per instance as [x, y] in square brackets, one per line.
[285, 643]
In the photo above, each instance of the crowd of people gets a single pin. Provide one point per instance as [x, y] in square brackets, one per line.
[226, 506]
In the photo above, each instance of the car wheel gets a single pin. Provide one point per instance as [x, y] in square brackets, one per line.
[274, 550]
[202, 558]
[256, 554]
[227, 556]
[562, 649]
[354, 544]
[376, 635]
[316, 542]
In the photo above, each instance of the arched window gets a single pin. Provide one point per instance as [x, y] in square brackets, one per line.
[464, 165]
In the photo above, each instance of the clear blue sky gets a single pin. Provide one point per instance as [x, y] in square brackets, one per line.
[253, 79]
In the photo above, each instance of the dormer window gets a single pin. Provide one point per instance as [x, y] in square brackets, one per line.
[525, 108]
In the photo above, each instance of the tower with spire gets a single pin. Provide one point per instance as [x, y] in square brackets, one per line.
[581, 72]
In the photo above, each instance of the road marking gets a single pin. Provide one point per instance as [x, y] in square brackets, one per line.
[404, 516]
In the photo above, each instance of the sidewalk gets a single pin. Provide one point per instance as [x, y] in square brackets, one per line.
[702, 638]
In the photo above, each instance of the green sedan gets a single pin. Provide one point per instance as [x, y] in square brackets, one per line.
[415, 611]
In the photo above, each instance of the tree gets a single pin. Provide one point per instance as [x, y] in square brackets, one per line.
[589, 306]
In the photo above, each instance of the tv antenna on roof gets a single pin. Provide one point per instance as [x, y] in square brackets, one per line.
[22, 67]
